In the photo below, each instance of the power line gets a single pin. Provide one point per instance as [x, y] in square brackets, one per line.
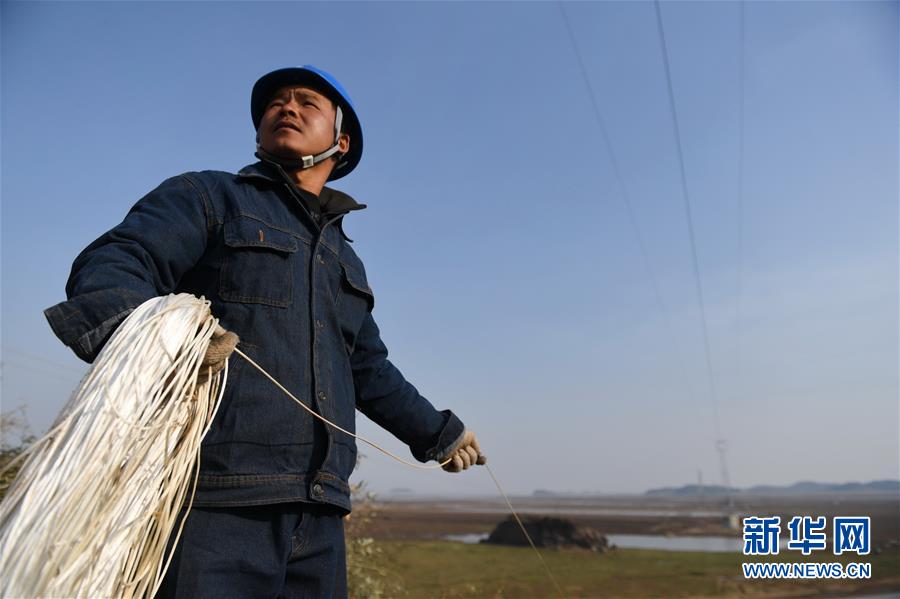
[5, 363]
[48, 362]
[720, 442]
[626, 199]
[740, 197]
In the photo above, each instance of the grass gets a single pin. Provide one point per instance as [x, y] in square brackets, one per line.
[448, 570]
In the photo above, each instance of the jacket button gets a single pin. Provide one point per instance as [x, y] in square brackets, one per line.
[318, 489]
[322, 395]
[320, 259]
[319, 324]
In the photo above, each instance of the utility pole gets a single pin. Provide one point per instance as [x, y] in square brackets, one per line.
[721, 447]
[700, 491]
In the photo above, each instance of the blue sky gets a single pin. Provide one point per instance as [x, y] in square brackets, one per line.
[510, 283]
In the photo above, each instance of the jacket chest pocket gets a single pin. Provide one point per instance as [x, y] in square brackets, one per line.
[354, 300]
[257, 265]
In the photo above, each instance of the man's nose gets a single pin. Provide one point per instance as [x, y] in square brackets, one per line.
[290, 108]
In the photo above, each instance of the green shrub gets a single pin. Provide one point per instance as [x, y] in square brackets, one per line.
[368, 573]
[17, 437]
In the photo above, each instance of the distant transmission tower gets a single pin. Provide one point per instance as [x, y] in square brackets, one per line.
[721, 447]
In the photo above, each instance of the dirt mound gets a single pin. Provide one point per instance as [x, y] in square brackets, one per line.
[547, 532]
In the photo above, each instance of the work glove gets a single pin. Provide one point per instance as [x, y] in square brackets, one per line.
[221, 344]
[465, 453]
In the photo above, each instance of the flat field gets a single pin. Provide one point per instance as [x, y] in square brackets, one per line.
[445, 570]
[411, 533]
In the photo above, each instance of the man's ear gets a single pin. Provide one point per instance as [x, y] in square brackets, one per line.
[344, 143]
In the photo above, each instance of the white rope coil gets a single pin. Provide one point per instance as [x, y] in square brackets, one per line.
[98, 496]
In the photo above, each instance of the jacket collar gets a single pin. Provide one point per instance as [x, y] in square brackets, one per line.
[332, 200]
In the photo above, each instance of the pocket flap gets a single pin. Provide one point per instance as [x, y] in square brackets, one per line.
[357, 279]
[249, 232]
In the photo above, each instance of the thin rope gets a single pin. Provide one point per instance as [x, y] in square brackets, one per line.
[527, 536]
[408, 463]
[323, 419]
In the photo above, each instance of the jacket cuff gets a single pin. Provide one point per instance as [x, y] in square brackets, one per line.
[450, 435]
[85, 323]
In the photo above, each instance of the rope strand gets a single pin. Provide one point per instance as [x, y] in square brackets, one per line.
[325, 420]
[527, 536]
[408, 463]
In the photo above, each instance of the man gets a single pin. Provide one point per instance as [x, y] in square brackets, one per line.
[266, 246]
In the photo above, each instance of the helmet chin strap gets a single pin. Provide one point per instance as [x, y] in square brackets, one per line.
[311, 160]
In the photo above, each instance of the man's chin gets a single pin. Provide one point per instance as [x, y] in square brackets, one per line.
[285, 153]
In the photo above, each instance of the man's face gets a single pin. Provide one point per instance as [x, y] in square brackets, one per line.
[298, 121]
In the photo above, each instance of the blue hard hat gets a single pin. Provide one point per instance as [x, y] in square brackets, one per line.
[325, 84]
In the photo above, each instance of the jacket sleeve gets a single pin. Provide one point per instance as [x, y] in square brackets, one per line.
[161, 237]
[392, 402]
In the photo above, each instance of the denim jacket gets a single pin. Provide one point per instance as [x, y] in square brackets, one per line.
[297, 295]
